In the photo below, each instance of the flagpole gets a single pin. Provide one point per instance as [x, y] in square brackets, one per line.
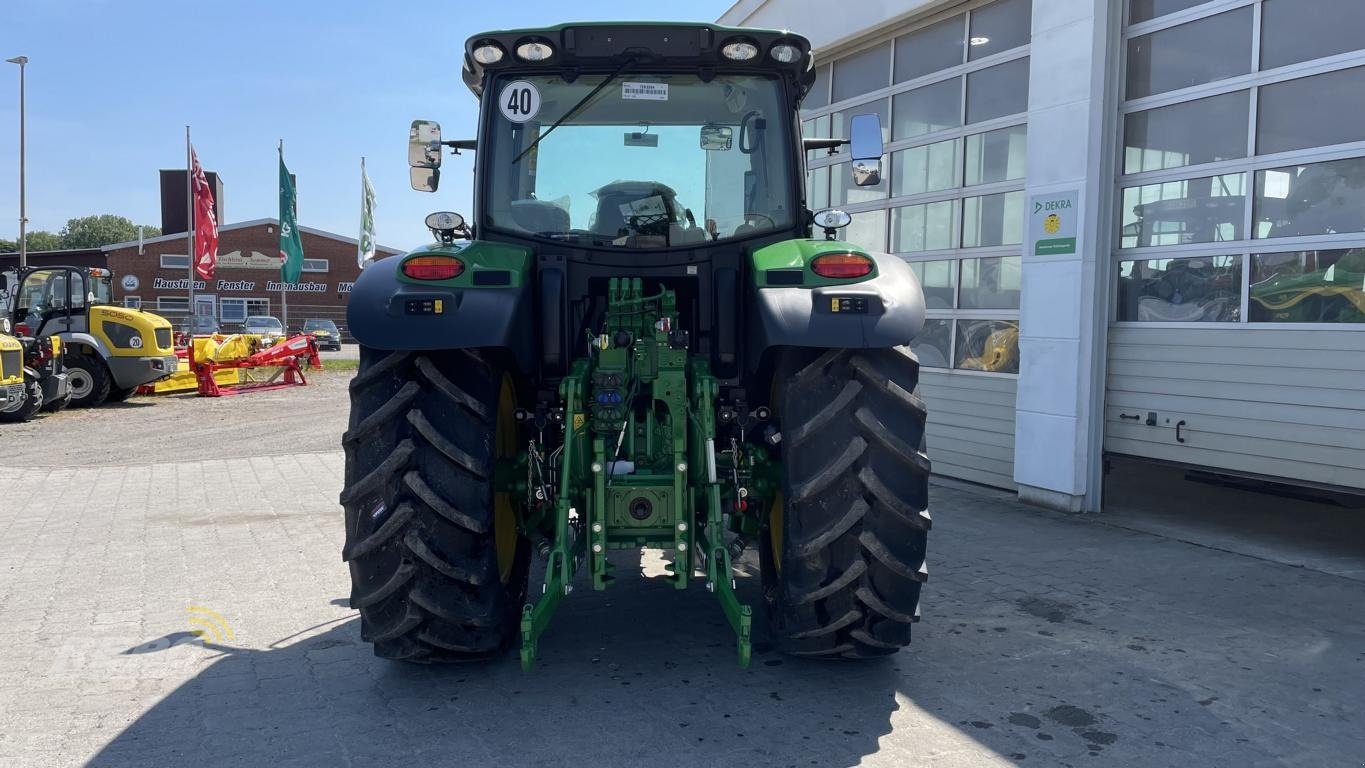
[189, 229]
[360, 242]
[284, 286]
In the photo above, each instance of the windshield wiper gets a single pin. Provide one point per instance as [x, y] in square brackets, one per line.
[574, 109]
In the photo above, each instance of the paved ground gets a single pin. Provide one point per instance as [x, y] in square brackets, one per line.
[1047, 639]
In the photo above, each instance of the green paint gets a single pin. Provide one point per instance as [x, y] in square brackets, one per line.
[666, 444]
[478, 256]
[798, 254]
[1055, 247]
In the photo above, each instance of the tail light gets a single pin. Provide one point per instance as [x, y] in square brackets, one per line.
[433, 267]
[842, 265]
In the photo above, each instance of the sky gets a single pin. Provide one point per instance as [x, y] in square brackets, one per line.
[113, 83]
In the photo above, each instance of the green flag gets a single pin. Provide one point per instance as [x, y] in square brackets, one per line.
[365, 250]
[291, 244]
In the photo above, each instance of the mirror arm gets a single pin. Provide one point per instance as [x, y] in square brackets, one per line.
[458, 144]
[830, 144]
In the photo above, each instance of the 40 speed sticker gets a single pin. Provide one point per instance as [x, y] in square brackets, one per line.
[519, 101]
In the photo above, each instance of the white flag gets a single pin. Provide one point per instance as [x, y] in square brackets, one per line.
[365, 251]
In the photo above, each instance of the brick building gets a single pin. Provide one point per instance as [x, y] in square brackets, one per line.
[154, 275]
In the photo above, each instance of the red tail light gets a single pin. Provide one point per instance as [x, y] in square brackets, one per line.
[22, 329]
[433, 267]
[842, 265]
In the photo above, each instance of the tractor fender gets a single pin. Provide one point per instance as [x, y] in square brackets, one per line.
[884, 311]
[88, 340]
[386, 313]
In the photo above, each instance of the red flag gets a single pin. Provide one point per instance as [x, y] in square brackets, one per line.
[205, 225]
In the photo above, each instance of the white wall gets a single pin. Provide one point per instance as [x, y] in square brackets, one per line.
[827, 24]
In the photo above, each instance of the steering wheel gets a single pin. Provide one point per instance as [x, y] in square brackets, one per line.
[772, 224]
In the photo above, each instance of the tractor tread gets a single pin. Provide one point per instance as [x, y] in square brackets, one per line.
[401, 516]
[426, 577]
[847, 582]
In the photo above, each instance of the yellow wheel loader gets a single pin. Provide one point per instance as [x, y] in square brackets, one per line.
[109, 351]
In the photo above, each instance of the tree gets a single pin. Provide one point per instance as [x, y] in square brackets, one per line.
[43, 241]
[94, 231]
[8, 246]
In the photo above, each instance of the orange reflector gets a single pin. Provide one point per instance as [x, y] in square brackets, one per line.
[433, 267]
[841, 265]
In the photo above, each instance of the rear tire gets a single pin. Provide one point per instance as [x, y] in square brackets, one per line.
[89, 379]
[844, 558]
[438, 569]
[33, 402]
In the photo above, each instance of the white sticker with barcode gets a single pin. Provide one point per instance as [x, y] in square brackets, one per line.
[646, 91]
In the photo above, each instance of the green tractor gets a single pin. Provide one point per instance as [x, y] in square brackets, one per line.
[635, 342]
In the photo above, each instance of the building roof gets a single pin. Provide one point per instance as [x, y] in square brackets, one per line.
[248, 225]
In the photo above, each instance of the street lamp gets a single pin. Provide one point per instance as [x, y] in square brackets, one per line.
[23, 210]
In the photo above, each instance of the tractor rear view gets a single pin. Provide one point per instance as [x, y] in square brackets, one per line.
[635, 342]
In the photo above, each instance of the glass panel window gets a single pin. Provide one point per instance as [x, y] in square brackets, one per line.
[1300, 30]
[987, 345]
[990, 283]
[817, 188]
[172, 304]
[1203, 210]
[233, 310]
[819, 128]
[1317, 199]
[1202, 51]
[937, 279]
[819, 91]
[1312, 112]
[928, 227]
[1198, 290]
[997, 155]
[132, 302]
[1308, 287]
[174, 261]
[999, 27]
[998, 91]
[924, 169]
[932, 108]
[844, 192]
[993, 220]
[862, 72]
[841, 120]
[933, 346]
[1194, 132]
[1145, 10]
[868, 230]
[929, 50]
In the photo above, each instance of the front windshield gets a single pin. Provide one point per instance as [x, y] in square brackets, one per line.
[264, 323]
[651, 161]
[319, 325]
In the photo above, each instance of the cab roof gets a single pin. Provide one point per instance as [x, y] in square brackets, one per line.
[604, 46]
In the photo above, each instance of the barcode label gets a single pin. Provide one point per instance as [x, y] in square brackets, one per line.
[648, 91]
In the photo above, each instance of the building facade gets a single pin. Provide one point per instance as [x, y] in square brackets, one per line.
[1140, 226]
[154, 275]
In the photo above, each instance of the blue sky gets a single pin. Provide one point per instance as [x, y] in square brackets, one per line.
[113, 83]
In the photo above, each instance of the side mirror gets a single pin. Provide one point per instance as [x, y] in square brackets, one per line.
[424, 144]
[425, 179]
[865, 140]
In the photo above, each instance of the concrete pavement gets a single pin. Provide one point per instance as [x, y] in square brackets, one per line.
[1046, 640]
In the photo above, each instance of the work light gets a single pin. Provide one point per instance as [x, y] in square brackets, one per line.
[739, 50]
[488, 53]
[784, 53]
[535, 50]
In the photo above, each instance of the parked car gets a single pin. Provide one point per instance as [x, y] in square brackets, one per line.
[324, 332]
[199, 325]
[270, 329]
